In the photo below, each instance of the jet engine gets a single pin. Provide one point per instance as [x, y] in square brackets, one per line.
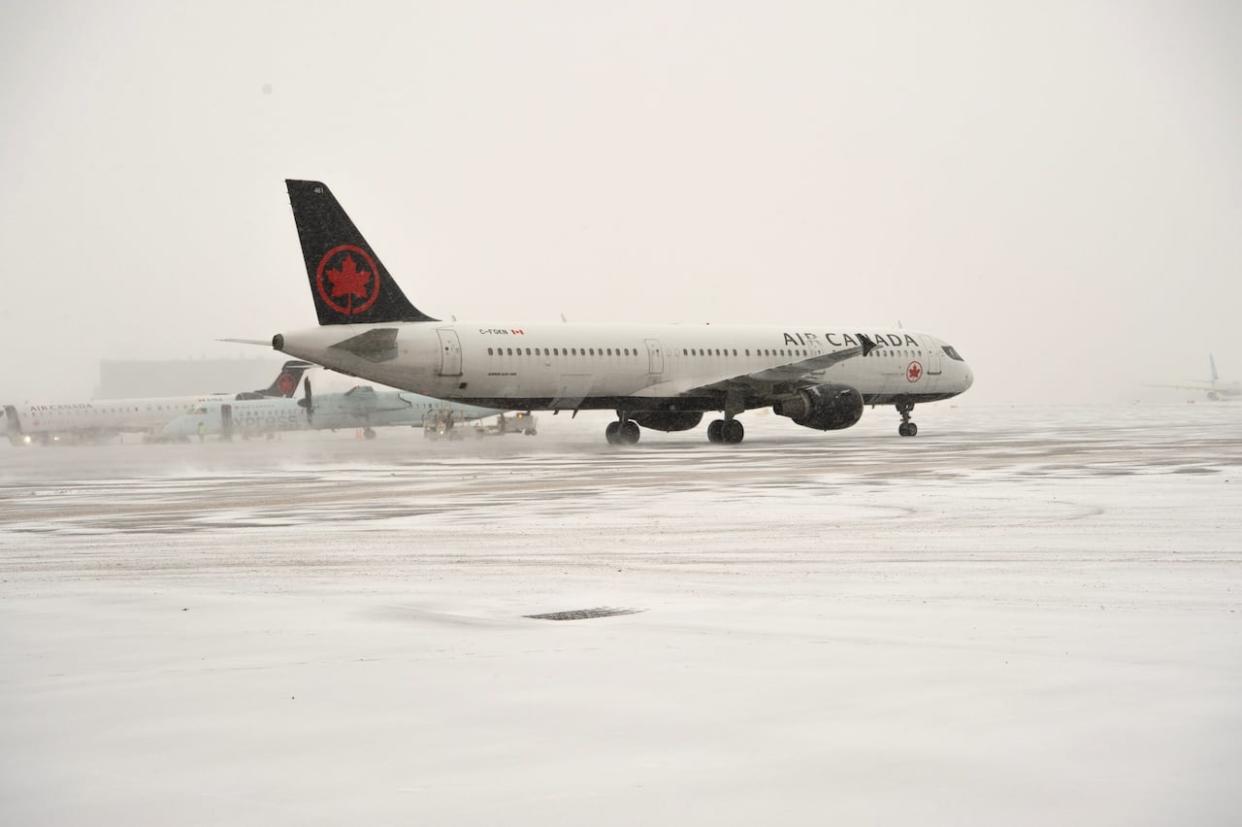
[823, 407]
[668, 420]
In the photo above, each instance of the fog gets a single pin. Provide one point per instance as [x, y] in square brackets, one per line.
[1056, 189]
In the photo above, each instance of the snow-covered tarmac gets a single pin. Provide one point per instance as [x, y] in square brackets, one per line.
[1021, 616]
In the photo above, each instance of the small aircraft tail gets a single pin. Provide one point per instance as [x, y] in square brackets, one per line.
[286, 382]
[12, 424]
[348, 282]
[1212, 362]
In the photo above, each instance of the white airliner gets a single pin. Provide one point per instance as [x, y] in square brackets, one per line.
[361, 407]
[1215, 389]
[99, 419]
[663, 377]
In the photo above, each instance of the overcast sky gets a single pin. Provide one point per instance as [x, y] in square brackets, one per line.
[1055, 188]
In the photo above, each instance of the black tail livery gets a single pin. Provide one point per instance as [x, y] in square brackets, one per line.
[287, 380]
[347, 280]
[12, 425]
[285, 384]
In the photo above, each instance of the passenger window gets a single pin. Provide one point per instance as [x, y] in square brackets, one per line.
[489, 351]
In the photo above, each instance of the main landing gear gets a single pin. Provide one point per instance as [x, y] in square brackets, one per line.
[622, 432]
[906, 428]
[729, 431]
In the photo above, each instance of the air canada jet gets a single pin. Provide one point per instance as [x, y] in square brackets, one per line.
[100, 419]
[658, 376]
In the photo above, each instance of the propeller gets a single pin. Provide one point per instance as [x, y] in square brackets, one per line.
[308, 400]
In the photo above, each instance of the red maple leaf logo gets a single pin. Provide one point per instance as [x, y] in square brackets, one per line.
[349, 280]
[914, 372]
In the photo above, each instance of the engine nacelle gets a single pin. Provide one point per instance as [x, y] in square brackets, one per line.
[823, 407]
[668, 420]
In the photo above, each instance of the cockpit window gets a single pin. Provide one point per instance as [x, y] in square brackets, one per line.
[952, 353]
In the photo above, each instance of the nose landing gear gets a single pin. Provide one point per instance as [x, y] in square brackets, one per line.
[906, 428]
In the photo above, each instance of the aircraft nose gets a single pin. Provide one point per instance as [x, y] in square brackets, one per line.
[969, 379]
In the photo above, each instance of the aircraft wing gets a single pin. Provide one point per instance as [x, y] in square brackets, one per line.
[797, 373]
[1203, 387]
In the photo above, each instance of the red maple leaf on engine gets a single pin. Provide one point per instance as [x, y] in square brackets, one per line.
[349, 280]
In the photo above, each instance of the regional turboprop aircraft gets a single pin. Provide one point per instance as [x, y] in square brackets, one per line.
[361, 407]
[102, 418]
[662, 377]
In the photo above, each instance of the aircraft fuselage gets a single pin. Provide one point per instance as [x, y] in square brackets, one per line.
[635, 367]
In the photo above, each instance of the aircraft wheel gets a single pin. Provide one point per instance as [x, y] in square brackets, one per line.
[612, 433]
[732, 432]
[715, 431]
[908, 429]
[629, 433]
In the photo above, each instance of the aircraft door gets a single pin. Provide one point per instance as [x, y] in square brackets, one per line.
[935, 360]
[226, 421]
[655, 357]
[450, 352]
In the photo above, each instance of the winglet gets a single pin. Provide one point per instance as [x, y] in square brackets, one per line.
[867, 344]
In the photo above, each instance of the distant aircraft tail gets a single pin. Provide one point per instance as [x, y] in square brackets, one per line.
[348, 282]
[286, 382]
[12, 424]
[1212, 362]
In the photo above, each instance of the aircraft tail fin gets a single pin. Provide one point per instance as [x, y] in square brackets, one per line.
[286, 382]
[12, 424]
[1212, 362]
[348, 282]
